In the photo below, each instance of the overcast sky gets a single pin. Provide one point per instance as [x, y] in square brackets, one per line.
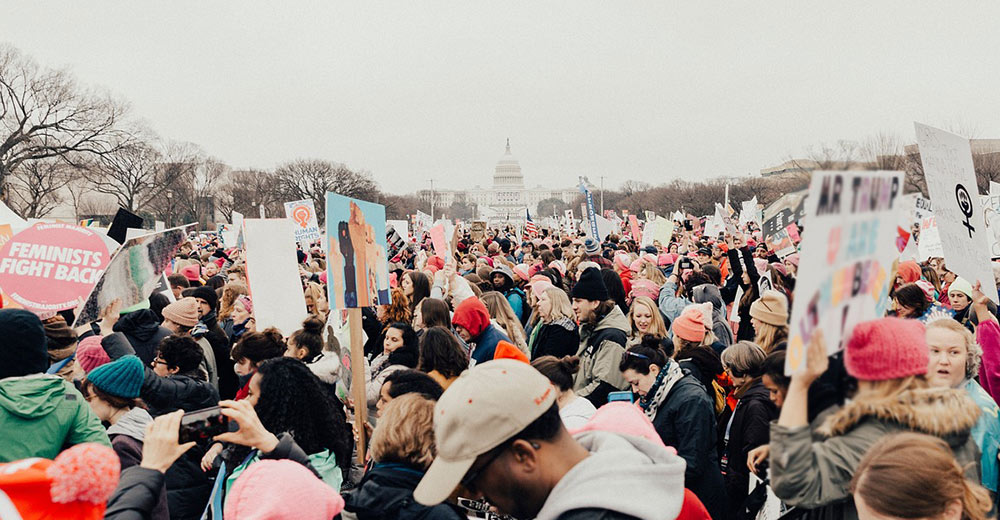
[415, 90]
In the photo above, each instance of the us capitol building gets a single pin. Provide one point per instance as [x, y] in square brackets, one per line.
[507, 199]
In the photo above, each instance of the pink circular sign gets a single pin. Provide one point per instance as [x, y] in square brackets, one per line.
[52, 267]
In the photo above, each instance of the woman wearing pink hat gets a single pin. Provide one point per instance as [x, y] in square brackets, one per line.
[889, 358]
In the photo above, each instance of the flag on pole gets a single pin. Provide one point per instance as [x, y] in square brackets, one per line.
[529, 227]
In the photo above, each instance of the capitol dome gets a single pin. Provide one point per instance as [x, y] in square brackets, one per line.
[508, 170]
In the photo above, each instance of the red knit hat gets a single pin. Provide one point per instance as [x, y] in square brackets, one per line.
[690, 324]
[472, 315]
[909, 271]
[888, 348]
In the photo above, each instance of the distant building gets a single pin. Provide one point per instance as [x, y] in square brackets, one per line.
[979, 147]
[507, 199]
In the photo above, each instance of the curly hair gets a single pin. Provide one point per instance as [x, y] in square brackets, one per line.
[259, 346]
[181, 352]
[399, 309]
[230, 292]
[441, 351]
[293, 400]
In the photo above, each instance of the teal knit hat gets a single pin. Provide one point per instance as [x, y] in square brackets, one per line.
[121, 378]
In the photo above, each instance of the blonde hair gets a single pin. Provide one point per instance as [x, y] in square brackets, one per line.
[500, 310]
[652, 273]
[230, 292]
[561, 307]
[768, 336]
[974, 354]
[681, 344]
[656, 320]
[405, 432]
[911, 475]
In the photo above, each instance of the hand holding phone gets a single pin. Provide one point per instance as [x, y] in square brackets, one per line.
[201, 425]
[251, 432]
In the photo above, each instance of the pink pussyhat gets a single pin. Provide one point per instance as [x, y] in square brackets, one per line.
[625, 419]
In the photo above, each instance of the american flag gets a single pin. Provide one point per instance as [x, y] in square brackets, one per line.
[529, 227]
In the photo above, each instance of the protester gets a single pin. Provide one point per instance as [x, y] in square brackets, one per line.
[400, 350]
[407, 381]
[46, 411]
[603, 335]
[416, 286]
[574, 410]
[909, 475]
[555, 333]
[250, 351]
[402, 448]
[645, 320]
[769, 319]
[503, 316]
[112, 390]
[709, 293]
[231, 292]
[512, 448]
[307, 345]
[208, 327]
[683, 415]
[503, 282]
[472, 323]
[616, 291]
[442, 356]
[889, 357]
[180, 317]
[141, 328]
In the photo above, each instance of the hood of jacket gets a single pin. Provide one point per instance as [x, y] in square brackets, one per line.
[613, 320]
[32, 397]
[141, 324]
[326, 367]
[942, 412]
[619, 469]
[132, 424]
[708, 292]
[472, 315]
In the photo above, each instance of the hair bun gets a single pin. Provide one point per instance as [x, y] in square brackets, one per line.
[570, 364]
[313, 325]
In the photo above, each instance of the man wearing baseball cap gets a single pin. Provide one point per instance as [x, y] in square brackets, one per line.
[500, 437]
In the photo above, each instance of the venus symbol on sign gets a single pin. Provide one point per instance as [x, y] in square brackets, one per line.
[965, 205]
[301, 215]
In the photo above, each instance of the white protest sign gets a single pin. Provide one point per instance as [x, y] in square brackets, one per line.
[991, 213]
[749, 212]
[951, 183]
[846, 257]
[303, 214]
[273, 274]
[678, 216]
[400, 227]
[604, 227]
[660, 229]
[929, 242]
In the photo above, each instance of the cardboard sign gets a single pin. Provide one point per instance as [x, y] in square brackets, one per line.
[782, 212]
[52, 267]
[951, 183]
[633, 224]
[400, 226]
[659, 230]
[991, 213]
[439, 242]
[273, 274]
[929, 242]
[780, 243]
[133, 273]
[846, 257]
[303, 214]
[124, 220]
[749, 212]
[477, 230]
[793, 233]
[357, 265]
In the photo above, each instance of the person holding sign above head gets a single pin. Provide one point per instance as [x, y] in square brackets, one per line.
[889, 358]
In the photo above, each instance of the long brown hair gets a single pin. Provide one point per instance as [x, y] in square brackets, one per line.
[911, 475]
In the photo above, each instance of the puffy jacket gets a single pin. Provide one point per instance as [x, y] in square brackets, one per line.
[986, 433]
[144, 333]
[815, 475]
[48, 415]
[601, 348]
[558, 338]
[686, 421]
[748, 429]
[386, 491]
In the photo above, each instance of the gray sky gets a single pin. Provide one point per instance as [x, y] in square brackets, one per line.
[412, 90]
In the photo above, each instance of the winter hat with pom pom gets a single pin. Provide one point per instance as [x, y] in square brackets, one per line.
[77, 484]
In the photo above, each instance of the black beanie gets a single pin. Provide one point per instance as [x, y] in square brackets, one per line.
[207, 294]
[591, 286]
[23, 351]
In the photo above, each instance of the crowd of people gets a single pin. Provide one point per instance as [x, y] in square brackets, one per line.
[551, 377]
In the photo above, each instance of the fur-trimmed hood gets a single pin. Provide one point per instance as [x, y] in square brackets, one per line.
[941, 412]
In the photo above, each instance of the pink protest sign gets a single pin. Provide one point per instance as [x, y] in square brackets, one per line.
[793, 232]
[440, 244]
[633, 222]
[52, 267]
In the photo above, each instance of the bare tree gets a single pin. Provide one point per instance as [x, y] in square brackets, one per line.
[37, 185]
[884, 151]
[312, 178]
[245, 190]
[45, 114]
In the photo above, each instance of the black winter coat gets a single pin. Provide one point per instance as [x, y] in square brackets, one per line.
[686, 421]
[554, 339]
[143, 330]
[750, 428]
[222, 348]
[386, 492]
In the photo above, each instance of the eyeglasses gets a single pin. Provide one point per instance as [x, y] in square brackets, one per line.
[157, 361]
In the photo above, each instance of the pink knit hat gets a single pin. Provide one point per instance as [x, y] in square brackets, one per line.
[540, 286]
[191, 272]
[625, 419]
[636, 265]
[793, 259]
[690, 324]
[760, 264]
[90, 354]
[644, 287]
[521, 270]
[622, 260]
[279, 490]
[887, 348]
[666, 259]
[558, 265]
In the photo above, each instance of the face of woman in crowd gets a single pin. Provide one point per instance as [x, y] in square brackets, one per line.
[903, 311]
[463, 333]
[393, 339]
[544, 305]
[101, 408]
[293, 351]
[211, 269]
[790, 267]
[737, 380]
[468, 264]
[253, 394]
[407, 285]
[948, 354]
[776, 392]
[243, 367]
[240, 314]
[641, 383]
[959, 300]
[642, 317]
[418, 318]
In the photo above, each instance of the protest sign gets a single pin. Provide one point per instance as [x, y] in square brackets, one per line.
[263, 212]
[633, 223]
[303, 214]
[991, 213]
[951, 184]
[846, 257]
[51, 267]
[273, 274]
[477, 230]
[159, 225]
[604, 227]
[133, 272]
[357, 266]
[793, 233]
[400, 226]
[438, 240]
[929, 242]
[782, 212]
[780, 243]
[394, 242]
[678, 216]
[124, 220]
[7, 216]
[588, 211]
[659, 230]
[421, 222]
[749, 212]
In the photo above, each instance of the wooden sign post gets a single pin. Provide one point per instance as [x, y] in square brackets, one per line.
[358, 380]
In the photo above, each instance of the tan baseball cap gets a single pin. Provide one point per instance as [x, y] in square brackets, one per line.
[484, 407]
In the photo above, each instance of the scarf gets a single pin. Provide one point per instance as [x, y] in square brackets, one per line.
[665, 381]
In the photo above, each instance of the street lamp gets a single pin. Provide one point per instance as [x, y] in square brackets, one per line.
[170, 208]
